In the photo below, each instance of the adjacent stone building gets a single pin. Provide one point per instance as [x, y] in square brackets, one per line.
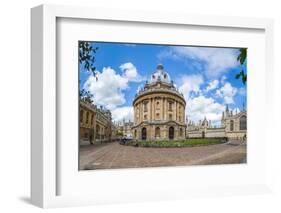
[95, 124]
[233, 126]
[124, 128]
[159, 109]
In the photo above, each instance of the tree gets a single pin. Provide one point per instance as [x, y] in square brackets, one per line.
[87, 59]
[242, 57]
[86, 56]
[86, 96]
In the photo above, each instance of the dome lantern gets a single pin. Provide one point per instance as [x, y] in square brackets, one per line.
[160, 75]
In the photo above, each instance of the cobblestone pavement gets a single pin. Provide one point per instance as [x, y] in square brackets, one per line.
[114, 155]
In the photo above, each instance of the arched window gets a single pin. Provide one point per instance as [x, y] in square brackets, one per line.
[243, 123]
[231, 125]
[157, 132]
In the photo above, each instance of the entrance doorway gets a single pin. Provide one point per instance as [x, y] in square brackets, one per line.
[171, 133]
[203, 134]
[143, 133]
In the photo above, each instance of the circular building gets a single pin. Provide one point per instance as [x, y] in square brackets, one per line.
[159, 109]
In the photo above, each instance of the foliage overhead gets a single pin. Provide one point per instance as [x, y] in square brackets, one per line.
[87, 59]
[242, 57]
[86, 96]
[86, 56]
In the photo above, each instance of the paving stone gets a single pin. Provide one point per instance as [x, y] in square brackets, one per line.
[114, 155]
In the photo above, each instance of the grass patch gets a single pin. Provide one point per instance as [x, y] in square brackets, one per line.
[178, 143]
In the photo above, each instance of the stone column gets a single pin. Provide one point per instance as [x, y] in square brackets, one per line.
[150, 114]
[164, 109]
[153, 108]
[176, 111]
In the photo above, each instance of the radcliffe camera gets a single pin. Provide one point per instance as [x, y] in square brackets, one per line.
[152, 105]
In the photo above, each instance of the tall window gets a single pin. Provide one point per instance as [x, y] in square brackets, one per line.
[231, 125]
[86, 135]
[157, 132]
[145, 106]
[81, 115]
[92, 120]
[170, 106]
[243, 123]
[87, 117]
[170, 116]
[181, 132]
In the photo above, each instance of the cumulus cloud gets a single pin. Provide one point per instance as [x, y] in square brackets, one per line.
[212, 85]
[215, 61]
[130, 72]
[227, 93]
[107, 90]
[190, 84]
[198, 106]
[201, 106]
[121, 113]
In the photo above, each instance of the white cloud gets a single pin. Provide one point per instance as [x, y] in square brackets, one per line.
[216, 61]
[107, 90]
[130, 72]
[212, 85]
[120, 113]
[189, 84]
[227, 92]
[201, 106]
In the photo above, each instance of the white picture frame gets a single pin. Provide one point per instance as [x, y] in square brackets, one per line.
[45, 168]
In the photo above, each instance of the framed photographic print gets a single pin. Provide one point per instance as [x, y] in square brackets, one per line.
[149, 106]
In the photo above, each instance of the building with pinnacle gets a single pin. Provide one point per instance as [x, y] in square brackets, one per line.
[159, 109]
[233, 126]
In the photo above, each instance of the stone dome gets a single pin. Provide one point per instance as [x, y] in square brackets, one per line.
[160, 75]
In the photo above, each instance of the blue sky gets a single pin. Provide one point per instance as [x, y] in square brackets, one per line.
[205, 75]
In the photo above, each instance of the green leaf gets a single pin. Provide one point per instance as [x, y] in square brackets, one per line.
[237, 76]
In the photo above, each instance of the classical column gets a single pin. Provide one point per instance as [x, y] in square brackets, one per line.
[164, 109]
[153, 108]
[141, 108]
[150, 109]
[176, 105]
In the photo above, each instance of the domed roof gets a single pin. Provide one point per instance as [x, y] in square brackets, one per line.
[160, 75]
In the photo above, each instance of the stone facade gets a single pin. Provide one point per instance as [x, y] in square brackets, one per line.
[233, 126]
[124, 129]
[95, 124]
[159, 109]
